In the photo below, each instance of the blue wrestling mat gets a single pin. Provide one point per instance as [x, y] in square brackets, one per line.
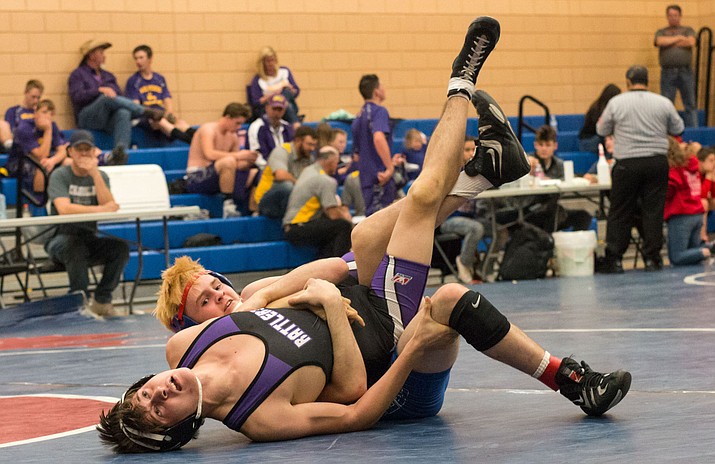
[46, 307]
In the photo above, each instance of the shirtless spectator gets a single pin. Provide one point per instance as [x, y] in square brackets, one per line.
[216, 164]
[18, 113]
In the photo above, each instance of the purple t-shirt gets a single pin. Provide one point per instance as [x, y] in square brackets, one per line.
[28, 137]
[84, 86]
[16, 114]
[150, 92]
[372, 118]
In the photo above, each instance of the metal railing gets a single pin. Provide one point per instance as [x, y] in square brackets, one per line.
[704, 51]
[523, 124]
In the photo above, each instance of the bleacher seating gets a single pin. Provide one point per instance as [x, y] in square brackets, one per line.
[257, 243]
[250, 244]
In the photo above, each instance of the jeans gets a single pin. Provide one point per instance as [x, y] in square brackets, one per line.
[471, 232]
[672, 79]
[275, 201]
[684, 243]
[112, 115]
[78, 252]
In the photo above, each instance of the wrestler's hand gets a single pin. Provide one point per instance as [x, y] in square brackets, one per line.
[256, 301]
[430, 334]
[320, 293]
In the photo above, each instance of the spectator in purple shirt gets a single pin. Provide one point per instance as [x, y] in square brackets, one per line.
[38, 138]
[15, 114]
[372, 139]
[270, 130]
[149, 89]
[97, 99]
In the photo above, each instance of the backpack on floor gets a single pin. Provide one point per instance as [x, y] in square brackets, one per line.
[527, 253]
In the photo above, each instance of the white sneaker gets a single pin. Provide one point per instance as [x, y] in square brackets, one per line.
[229, 209]
[98, 310]
[463, 272]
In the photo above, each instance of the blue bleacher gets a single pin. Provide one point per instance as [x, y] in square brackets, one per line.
[250, 244]
[257, 243]
[140, 138]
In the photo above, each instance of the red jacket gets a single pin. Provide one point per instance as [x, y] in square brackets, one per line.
[683, 195]
[708, 188]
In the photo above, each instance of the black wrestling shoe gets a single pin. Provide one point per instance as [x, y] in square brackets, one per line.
[594, 392]
[499, 156]
[117, 157]
[482, 36]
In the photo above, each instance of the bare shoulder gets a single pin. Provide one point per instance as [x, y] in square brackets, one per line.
[180, 342]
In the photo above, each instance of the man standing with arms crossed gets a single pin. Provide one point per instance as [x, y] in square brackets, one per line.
[675, 44]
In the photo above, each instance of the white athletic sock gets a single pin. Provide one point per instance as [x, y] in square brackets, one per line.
[461, 87]
[469, 187]
[8, 144]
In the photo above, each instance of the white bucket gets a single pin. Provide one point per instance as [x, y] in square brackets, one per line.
[574, 252]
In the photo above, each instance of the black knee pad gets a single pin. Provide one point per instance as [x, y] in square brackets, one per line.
[478, 321]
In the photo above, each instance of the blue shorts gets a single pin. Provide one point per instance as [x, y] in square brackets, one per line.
[421, 396]
[203, 180]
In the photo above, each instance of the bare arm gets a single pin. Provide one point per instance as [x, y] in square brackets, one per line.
[348, 381]
[338, 212]
[285, 421]
[331, 269]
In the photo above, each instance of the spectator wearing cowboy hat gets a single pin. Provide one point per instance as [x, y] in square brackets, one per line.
[97, 99]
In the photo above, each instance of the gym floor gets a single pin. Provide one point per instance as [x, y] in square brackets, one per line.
[59, 371]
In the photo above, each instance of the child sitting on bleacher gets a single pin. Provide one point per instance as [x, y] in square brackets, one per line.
[414, 152]
[39, 139]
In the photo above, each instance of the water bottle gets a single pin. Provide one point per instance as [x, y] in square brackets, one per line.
[538, 174]
[3, 207]
[603, 170]
[554, 123]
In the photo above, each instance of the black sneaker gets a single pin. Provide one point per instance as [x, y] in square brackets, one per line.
[482, 36]
[499, 156]
[594, 392]
[153, 114]
[117, 157]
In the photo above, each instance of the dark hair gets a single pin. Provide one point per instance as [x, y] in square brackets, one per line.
[237, 110]
[305, 131]
[545, 133]
[49, 104]
[705, 152]
[368, 84]
[127, 427]
[143, 48]
[34, 84]
[470, 138]
[673, 7]
[125, 413]
[608, 92]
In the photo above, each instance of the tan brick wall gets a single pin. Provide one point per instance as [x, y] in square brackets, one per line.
[561, 51]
